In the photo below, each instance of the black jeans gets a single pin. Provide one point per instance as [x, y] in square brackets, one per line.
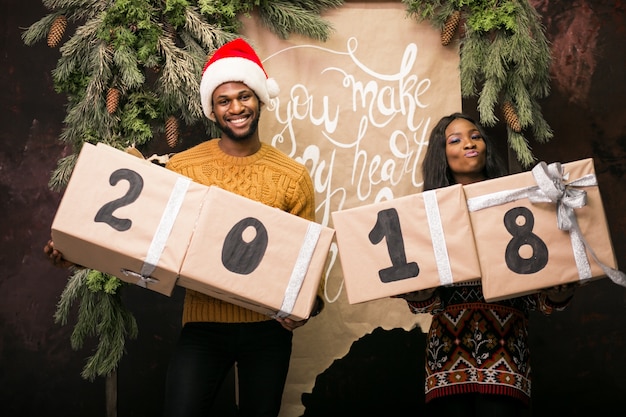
[206, 352]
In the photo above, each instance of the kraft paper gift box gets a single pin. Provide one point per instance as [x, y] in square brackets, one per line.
[256, 256]
[406, 244]
[516, 226]
[127, 217]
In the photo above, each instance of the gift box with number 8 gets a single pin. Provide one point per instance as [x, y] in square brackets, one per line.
[541, 228]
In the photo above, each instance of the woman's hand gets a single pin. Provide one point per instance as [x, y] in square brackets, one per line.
[417, 296]
[560, 293]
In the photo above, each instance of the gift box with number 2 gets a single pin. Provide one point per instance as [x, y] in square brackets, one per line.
[127, 217]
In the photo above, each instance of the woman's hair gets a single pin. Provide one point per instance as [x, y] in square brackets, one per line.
[435, 169]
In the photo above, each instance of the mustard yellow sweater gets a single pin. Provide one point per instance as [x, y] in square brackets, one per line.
[270, 177]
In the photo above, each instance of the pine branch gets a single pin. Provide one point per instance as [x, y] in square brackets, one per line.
[87, 320]
[210, 36]
[88, 118]
[141, 109]
[73, 291]
[69, 4]
[224, 13]
[518, 143]
[127, 64]
[488, 99]
[424, 10]
[495, 66]
[542, 131]
[61, 175]
[101, 314]
[113, 325]
[284, 17]
[178, 83]
[318, 6]
[473, 50]
[39, 30]
[72, 68]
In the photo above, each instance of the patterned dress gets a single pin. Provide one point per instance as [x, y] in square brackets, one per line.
[478, 347]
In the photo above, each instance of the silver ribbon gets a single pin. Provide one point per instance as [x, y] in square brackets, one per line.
[551, 188]
[141, 281]
[159, 239]
[438, 238]
[300, 269]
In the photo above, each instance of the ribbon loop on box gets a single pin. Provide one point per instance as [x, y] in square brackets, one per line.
[551, 188]
[300, 269]
[437, 236]
[141, 280]
[549, 179]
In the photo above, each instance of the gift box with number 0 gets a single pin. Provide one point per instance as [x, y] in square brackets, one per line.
[127, 217]
[406, 244]
[256, 256]
[538, 229]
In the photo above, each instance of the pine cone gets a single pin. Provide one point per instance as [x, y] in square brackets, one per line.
[511, 117]
[171, 131]
[57, 29]
[450, 27]
[113, 99]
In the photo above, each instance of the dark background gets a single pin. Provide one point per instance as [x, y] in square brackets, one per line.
[579, 355]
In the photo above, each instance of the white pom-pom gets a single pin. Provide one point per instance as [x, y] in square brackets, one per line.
[272, 88]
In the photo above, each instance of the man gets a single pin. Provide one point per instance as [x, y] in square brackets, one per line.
[217, 334]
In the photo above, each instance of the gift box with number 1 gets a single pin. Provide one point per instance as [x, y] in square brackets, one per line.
[407, 244]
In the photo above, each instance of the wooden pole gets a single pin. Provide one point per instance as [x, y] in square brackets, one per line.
[111, 394]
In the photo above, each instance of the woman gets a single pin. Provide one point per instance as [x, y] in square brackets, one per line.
[477, 354]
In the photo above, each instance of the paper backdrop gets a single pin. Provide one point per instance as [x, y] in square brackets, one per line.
[357, 111]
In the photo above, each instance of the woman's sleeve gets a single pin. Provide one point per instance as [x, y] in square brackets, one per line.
[430, 305]
[547, 306]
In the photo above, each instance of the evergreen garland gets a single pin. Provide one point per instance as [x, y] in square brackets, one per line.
[149, 53]
[505, 59]
[101, 314]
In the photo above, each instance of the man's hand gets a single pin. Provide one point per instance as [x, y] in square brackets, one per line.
[56, 257]
[290, 324]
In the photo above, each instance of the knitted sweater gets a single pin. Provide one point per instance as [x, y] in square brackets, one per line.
[268, 176]
[478, 347]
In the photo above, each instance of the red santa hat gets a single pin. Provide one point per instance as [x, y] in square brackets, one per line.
[235, 61]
